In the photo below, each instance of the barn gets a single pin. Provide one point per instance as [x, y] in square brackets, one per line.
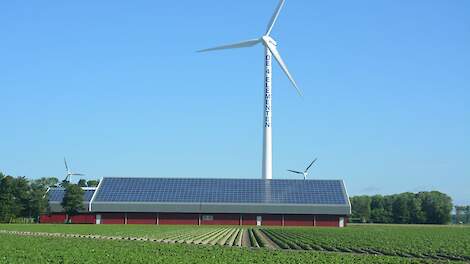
[192, 201]
[55, 212]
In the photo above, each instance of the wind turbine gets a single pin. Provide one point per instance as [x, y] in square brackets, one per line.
[305, 172]
[270, 47]
[69, 173]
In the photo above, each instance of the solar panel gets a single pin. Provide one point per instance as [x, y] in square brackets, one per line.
[57, 194]
[250, 191]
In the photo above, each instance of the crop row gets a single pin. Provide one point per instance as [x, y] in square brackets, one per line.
[255, 238]
[142, 231]
[425, 242]
[31, 249]
[224, 236]
[296, 240]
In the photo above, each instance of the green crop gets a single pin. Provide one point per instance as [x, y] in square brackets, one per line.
[147, 231]
[375, 243]
[23, 249]
[437, 242]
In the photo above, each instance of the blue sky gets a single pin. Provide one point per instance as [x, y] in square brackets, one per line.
[117, 88]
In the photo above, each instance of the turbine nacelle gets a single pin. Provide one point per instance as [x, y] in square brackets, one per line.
[69, 173]
[305, 172]
[269, 43]
[267, 40]
[305, 175]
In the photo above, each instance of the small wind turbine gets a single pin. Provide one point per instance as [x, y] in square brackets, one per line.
[69, 173]
[305, 172]
[270, 47]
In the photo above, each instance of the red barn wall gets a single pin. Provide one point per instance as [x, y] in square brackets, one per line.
[52, 219]
[298, 220]
[249, 219]
[141, 218]
[113, 218]
[193, 219]
[83, 219]
[271, 220]
[178, 219]
[327, 221]
[223, 219]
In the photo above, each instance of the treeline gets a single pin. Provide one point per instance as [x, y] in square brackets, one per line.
[462, 214]
[406, 208]
[90, 183]
[23, 200]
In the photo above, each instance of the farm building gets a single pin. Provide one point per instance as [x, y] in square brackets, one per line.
[173, 201]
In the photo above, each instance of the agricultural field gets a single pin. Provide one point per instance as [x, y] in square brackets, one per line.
[145, 231]
[355, 244]
[426, 242]
[30, 249]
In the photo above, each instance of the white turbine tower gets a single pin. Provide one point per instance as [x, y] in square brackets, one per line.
[270, 46]
[69, 173]
[305, 172]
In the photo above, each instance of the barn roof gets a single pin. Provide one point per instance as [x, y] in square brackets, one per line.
[56, 195]
[221, 195]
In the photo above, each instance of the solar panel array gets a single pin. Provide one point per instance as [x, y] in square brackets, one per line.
[57, 194]
[167, 190]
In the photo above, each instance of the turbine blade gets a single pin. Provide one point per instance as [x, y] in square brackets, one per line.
[274, 17]
[298, 172]
[66, 167]
[243, 44]
[278, 57]
[310, 165]
[77, 174]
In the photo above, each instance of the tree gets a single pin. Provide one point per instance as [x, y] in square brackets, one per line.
[73, 200]
[405, 208]
[401, 212]
[436, 206]
[23, 198]
[47, 182]
[361, 208]
[7, 198]
[22, 194]
[467, 214]
[92, 183]
[82, 183]
[462, 214]
[417, 216]
[38, 203]
[380, 212]
[64, 184]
